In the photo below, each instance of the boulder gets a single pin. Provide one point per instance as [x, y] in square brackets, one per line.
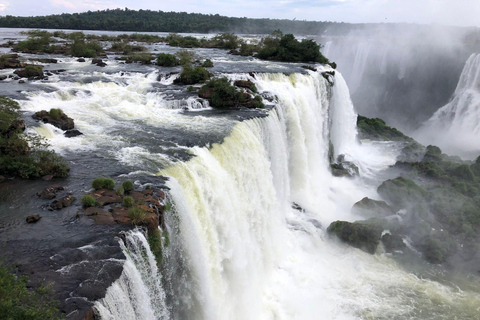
[33, 218]
[402, 193]
[50, 192]
[30, 72]
[311, 68]
[48, 177]
[246, 84]
[3, 78]
[64, 202]
[393, 242]
[343, 168]
[99, 62]
[369, 208]
[105, 197]
[10, 61]
[80, 60]
[364, 235]
[91, 315]
[61, 120]
[72, 133]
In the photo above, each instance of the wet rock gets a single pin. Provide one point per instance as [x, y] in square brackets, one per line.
[105, 197]
[310, 68]
[393, 242]
[369, 208]
[343, 168]
[3, 78]
[65, 202]
[33, 218]
[50, 192]
[329, 76]
[120, 215]
[364, 235]
[61, 120]
[246, 84]
[46, 60]
[21, 81]
[99, 62]
[11, 61]
[91, 315]
[72, 133]
[33, 72]
[80, 60]
[402, 193]
[48, 177]
[100, 216]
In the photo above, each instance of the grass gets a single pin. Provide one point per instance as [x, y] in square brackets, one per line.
[128, 202]
[137, 215]
[103, 183]
[127, 186]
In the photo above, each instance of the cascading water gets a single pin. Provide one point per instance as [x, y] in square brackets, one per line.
[456, 126]
[138, 293]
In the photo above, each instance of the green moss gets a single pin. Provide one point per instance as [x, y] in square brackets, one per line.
[377, 129]
[155, 243]
[137, 215]
[88, 200]
[364, 235]
[55, 113]
[401, 192]
[128, 202]
[207, 63]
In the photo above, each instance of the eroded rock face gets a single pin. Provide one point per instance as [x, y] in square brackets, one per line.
[61, 121]
[364, 235]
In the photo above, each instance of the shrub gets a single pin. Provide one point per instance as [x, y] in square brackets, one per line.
[167, 60]
[55, 113]
[120, 191]
[97, 184]
[220, 93]
[127, 186]
[148, 187]
[142, 57]
[194, 75]
[109, 184]
[207, 63]
[155, 243]
[88, 200]
[128, 202]
[137, 215]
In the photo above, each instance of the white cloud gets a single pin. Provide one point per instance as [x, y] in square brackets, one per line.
[3, 6]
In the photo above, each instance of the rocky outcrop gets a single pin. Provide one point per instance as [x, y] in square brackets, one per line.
[369, 208]
[59, 120]
[343, 168]
[10, 61]
[32, 72]
[72, 133]
[50, 192]
[364, 235]
[99, 62]
[247, 84]
[64, 202]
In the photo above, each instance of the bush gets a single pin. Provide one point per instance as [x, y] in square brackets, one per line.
[127, 186]
[120, 191]
[194, 75]
[88, 200]
[103, 183]
[219, 92]
[167, 60]
[17, 302]
[55, 113]
[185, 57]
[155, 243]
[128, 202]
[207, 63]
[142, 57]
[137, 215]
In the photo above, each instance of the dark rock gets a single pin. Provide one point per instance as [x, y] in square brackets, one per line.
[21, 81]
[33, 218]
[343, 168]
[31, 72]
[46, 60]
[393, 242]
[3, 78]
[99, 62]
[329, 76]
[310, 68]
[48, 177]
[80, 60]
[62, 121]
[364, 235]
[296, 206]
[11, 61]
[252, 74]
[402, 193]
[91, 315]
[72, 133]
[65, 202]
[246, 84]
[369, 208]
[50, 192]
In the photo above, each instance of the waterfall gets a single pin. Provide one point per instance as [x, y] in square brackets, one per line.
[138, 293]
[456, 126]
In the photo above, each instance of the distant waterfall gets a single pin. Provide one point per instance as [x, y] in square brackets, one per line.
[138, 293]
[456, 126]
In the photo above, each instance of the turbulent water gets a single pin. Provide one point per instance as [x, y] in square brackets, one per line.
[251, 195]
[456, 126]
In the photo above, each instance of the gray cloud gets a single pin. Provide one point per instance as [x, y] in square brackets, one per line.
[446, 12]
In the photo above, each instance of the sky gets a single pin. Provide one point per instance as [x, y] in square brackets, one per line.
[445, 12]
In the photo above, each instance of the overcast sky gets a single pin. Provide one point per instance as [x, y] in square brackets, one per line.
[447, 12]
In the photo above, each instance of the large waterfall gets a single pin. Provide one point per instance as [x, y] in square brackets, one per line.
[456, 126]
[248, 219]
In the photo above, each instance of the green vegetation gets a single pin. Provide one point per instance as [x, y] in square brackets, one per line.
[88, 200]
[127, 186]
[159, 21]
[137, 215]
[222, 94]
[128, 202]
[155, 243]
[193, 75]
[19, 303]
[21, 155]
[377, 129]
[37, 41]
[167, 60]
[103, 183]
[207, 63]
[55, 113]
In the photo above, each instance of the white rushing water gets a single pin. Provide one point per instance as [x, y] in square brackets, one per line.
[455, 127]
[137, 294]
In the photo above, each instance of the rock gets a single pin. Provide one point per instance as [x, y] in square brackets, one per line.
[402, 193]
[72, 133]
[393, 242]
[80, 60]
[33, 218]
[11, 61]
[99, 62]
[46, 60]
[343, 168]
[2, 178]
[30, 72]
[364, 235]
[21, 81]
[105, 197]
[50, 192]
[93, 211]
[246, 84]
[3, 78]
[329, 76]
[120, 215]
[91, 315]
[61, 121]
[66, 201]
[47, 177]
[369, 208]
[310, 68]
